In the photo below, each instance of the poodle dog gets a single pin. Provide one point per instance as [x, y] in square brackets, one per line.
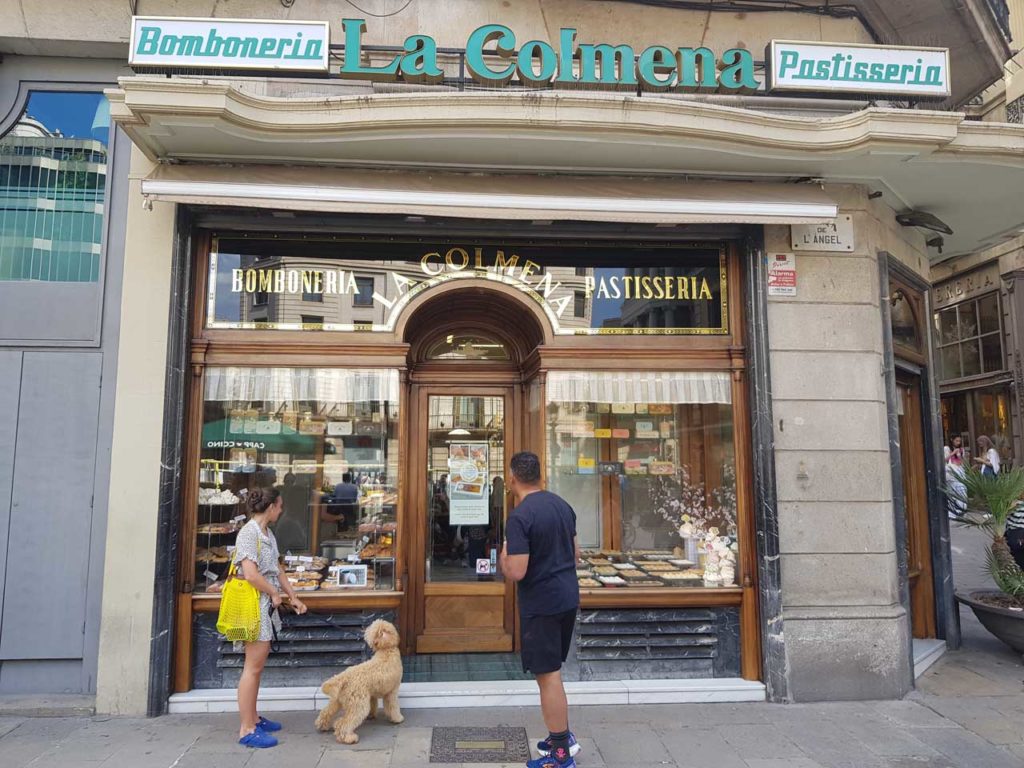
[356, 690]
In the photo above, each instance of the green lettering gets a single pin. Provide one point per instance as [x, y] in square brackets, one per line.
[505, 42]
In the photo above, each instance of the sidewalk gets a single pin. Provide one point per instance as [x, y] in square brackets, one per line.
[967, 712]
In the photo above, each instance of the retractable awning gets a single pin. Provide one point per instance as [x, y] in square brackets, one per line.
[491, 196]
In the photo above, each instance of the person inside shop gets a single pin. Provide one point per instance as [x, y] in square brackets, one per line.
[257, 557]
[292, 530]
[988, 456]
[957, 501]
[343, 507]
[540, 554]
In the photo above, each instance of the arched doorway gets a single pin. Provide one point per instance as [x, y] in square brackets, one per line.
[469, 352]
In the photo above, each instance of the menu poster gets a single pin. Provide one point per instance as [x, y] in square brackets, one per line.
[468, 488]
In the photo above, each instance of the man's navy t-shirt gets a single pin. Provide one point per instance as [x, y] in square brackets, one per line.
[543, 526]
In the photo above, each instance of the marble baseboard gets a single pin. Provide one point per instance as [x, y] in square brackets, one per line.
[926, 653]
[514, 693]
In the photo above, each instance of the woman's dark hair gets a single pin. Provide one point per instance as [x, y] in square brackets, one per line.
[261, 499]
[526, 467]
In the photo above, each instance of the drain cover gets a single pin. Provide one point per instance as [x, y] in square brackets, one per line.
[478, 745]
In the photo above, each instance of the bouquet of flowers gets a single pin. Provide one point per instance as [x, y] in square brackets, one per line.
[703, 516]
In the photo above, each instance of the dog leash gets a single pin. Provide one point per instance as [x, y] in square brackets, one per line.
[275, 644]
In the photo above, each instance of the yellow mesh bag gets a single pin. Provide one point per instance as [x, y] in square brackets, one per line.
[239, 616]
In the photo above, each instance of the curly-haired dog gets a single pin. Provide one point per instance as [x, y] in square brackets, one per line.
[356, 690]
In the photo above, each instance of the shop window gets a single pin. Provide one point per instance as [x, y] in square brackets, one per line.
[456, 346]
[313, 321]
[364, 292]
[969, 338]
[647, 461]
[312, 296]
[259, 299]
[328, 440]
[53, 173]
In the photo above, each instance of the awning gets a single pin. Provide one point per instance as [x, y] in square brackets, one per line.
[491, 196]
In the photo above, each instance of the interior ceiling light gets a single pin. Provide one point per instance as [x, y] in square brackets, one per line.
[924, 220]
[458, 432]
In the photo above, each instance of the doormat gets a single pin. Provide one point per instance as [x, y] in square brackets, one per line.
[478, 745]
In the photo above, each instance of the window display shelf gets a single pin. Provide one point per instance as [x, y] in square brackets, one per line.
[317, 602]
[660, 597]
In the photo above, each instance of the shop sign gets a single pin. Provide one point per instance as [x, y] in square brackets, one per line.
[537, 63]
[619, 299]
[881, 70]
[836, 235]
[229, 44]
[782, 274]
[967, 286]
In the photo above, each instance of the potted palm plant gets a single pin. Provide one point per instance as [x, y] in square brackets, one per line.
[988, 502]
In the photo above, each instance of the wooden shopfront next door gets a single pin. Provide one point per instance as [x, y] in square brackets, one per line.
[460, 439]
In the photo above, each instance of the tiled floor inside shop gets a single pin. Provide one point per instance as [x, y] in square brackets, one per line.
[448, 667]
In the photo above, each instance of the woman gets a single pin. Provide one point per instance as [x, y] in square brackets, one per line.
[987, 456]
[257, 557]
[954, 453]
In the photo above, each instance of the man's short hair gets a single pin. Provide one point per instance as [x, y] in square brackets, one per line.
[346, 478]
[526, 467]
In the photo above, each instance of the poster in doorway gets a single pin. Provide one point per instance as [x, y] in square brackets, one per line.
[468, 492]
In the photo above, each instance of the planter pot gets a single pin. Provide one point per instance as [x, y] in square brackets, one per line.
[1005, 624]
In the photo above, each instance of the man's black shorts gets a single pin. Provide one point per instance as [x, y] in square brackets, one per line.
[546, 641]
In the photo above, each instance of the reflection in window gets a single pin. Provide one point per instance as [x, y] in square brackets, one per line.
[467, 347]
[647, 461]
[364, 292]
[904, 320]
[969, 338]
[328, 440]
[53, 170]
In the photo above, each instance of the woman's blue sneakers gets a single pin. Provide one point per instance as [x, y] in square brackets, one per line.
[268, 726]
[258, 739]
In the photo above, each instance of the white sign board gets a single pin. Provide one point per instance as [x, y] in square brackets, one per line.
[229, 44]
[835, 236]
[468, 488]
[885, 70]
[781, 274]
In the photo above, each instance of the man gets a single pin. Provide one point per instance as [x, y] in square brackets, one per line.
[343, 507]
[540, 554]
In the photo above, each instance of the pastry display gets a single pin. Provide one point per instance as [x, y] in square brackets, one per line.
[657, 567]
[217, 528]
[213, 497]
[606, 570]
[645, 583]
[611, 581]
[624, 566]
[683, 563]
[632, 573]
[674, 576]
[212, 555]
[582, 573]
[305, 586]
[599, 561]
[589, 582]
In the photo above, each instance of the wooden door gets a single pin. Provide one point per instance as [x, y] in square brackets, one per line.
[460, 440]
[915, 504]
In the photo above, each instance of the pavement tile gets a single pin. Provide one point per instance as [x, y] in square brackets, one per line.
[883, 739]
[237, 759]
[8, 724]
[412, 745]
[635, 745]
[698, 748]
[912, 714]
[760, 741]
[826, 741]
[968, 749]
[980, 715]
[789, 762]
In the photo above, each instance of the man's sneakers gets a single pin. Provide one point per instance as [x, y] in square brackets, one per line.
[550, 762]
[258, 739]
[544, 747]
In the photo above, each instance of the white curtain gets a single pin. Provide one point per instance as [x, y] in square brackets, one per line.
[326, 385]
[628, 387]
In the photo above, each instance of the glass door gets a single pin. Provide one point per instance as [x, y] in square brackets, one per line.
[463, 603]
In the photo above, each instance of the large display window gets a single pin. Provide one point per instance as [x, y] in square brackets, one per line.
[327, 438]
[648, 463]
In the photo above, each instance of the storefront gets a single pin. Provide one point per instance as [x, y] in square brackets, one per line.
[427, 363]
[974, 336]
[370, 284]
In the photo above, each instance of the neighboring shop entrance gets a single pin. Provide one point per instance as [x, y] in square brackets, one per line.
[915, 496]
[459, 437]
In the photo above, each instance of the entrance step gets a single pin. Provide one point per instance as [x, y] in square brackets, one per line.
[490, 693]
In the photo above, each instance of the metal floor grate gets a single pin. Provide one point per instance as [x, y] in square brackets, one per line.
[478, 745]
